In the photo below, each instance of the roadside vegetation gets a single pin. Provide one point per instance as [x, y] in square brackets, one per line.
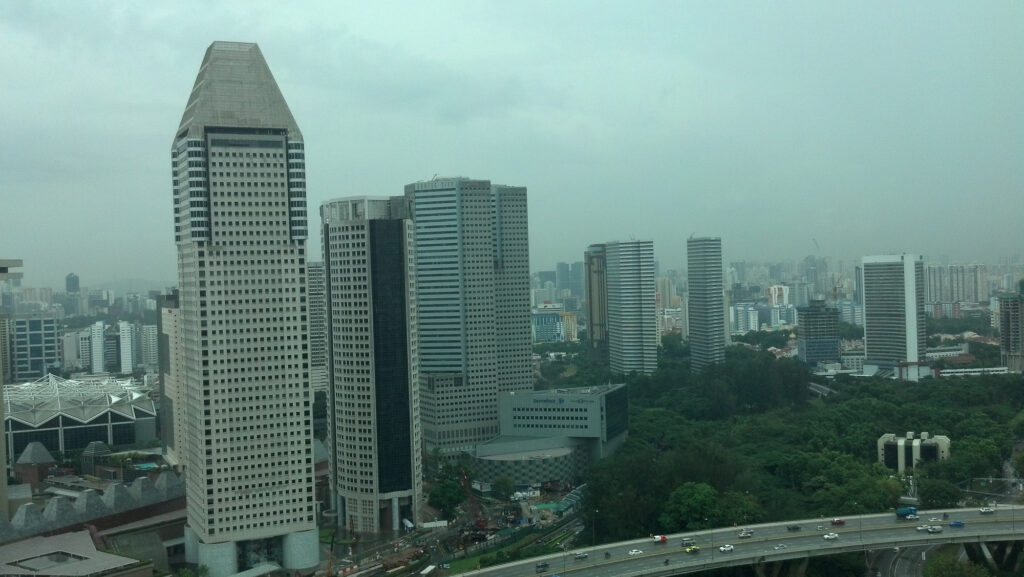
[745, 442]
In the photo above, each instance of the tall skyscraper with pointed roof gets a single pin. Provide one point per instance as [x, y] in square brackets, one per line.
[239, 185]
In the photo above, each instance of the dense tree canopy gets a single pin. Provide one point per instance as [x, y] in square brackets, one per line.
[745, 442]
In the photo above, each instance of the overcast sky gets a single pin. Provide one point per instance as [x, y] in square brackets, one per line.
[870, 127]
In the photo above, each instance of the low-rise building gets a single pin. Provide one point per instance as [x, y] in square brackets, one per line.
[553, 435]
[903, 453]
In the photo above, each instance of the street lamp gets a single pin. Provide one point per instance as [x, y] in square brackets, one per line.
[711, 534]
[593, 530]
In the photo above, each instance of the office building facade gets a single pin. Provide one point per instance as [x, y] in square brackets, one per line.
[632, 317]
[894, 322]
[706, 302]
[317, 327]
[238, 162]
[473, 283]
[1011, 329]
[373, 390]
[595, 263]
[818, 333]
[35, 346]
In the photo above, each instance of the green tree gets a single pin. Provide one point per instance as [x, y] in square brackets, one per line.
[736, 508]
[691, 507]
[445, 496]
[949, 566]
[502, 487]
[936, 493]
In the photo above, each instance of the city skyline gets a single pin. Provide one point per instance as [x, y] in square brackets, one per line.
[791, 131]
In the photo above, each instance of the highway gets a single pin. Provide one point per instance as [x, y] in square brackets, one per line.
[771, 542]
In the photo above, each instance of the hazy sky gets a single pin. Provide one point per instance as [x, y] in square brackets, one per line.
[869, 126]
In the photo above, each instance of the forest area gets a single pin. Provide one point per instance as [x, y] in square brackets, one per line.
[745, 442]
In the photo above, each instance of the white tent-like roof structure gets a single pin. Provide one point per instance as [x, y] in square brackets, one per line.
[39, 401]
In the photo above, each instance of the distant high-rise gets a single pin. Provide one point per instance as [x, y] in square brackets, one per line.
[239, 181]
[5, 349]
[97, 347]
[317, 327]
[373, 394]
[126, 336]
[35, 346]
[894, 322]
[706, 302]
[597, 295]
[632, 318]
[1011, 329]
[172, 397]
[5, 273]
[818, 336]
[473, 282]
[71, 283]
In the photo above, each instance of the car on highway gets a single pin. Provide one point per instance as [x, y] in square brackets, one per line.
[542, 567]
[635, 552]
[922, 527]
[746, 534]
[986, 510]
[831, 536]
[727, 548]
[933, 519]
[779, 546]
[692, 549]
[935, 529]
[838, 522]
[957, 523]
[793, 527]
[580, 555]
[687, 541]
[911, 517]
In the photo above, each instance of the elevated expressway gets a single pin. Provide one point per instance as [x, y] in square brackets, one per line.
[775, 550]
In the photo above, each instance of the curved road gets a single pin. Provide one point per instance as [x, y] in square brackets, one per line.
[771, 542]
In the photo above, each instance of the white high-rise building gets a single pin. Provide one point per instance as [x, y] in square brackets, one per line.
[126, 337]
[239, 181]
[317, 327]
[894, 321]
[707, 302]
[373, 394]
[97, 338]
[149, 344]
[473, 281]
[632, 318]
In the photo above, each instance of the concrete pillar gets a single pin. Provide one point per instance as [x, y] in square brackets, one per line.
[396, 523]
[220, 558]
[301, 551]
[191, 546]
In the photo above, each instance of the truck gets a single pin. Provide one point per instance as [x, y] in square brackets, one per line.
[660, 539]
[902, 512]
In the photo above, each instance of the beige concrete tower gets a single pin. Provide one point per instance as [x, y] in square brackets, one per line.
[238, 161]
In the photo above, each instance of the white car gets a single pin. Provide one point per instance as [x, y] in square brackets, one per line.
[726, 548]
[779, 546]
[746, 534]
[912, 517]
[831, 536]
[934, 519]
[986, 510]
[922, 527]
[635, 552]
[935, 529]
